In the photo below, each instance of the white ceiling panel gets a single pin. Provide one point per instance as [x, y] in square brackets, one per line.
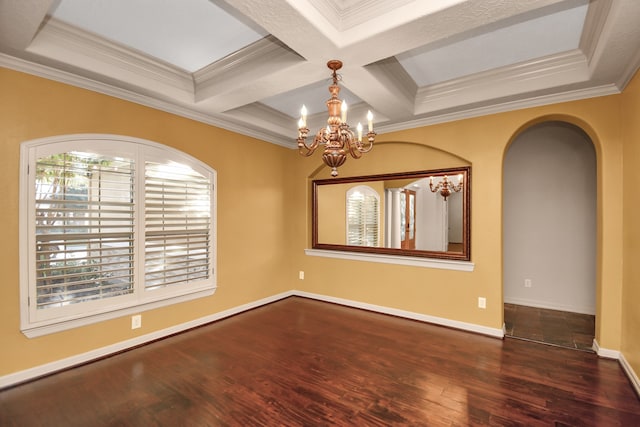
[189, 34]
[524, 41]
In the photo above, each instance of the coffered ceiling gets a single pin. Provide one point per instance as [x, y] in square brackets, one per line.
[249, 65]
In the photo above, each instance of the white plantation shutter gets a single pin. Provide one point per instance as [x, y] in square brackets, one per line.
[84, 228]
[177, 225]
[363, 213]
[113, 224]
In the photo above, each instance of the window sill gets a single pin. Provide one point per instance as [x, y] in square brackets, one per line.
[444, 264]
[32, 331]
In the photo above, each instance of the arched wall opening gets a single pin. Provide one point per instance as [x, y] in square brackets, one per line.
[550, 218]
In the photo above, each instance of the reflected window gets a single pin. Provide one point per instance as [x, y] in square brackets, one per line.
[363, 216]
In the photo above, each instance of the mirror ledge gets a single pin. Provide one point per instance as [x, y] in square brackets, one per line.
[444, 264]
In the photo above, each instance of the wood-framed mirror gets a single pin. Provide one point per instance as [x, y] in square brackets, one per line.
[422, 214]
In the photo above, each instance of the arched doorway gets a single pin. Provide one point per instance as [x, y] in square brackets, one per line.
[549, 232]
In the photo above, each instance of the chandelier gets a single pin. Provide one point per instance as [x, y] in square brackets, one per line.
[336, 137]
[445, 186]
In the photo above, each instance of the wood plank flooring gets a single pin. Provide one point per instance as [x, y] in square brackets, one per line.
[299, 362]
[565, 329]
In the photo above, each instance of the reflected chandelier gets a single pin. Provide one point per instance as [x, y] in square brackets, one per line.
[445, 186]
[336, 137]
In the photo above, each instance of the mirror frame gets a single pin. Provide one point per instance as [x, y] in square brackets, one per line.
[465, 255]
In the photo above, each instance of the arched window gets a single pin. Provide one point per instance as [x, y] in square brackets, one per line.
[363, 216]
[111, 225]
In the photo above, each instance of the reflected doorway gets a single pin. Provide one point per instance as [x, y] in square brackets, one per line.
[549, 235]
[408, 219]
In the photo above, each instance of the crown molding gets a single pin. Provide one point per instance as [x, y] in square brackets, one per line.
[594, 23]
[264, 117]
[65, 77]
[275, 137]
[356, 12]
[629, 71]
[87, 51]
[502, 107]
[552, 71]
[617, 54]
[263, 57]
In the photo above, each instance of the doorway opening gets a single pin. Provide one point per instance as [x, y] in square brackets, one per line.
[549, 232]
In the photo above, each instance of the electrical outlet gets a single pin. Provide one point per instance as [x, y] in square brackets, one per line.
[301, 275]
[136, 321]
[527, 283]
[482, 302]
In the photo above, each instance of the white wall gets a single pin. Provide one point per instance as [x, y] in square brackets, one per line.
[431, 230]
[550, 219]
[454, 204]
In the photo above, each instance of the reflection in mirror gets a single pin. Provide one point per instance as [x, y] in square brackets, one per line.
[425, 214]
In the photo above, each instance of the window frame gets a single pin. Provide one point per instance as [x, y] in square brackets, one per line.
[367, 191]
[31, 323]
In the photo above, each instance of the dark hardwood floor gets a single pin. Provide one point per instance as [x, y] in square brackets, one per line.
[299, 362]
[562, 328]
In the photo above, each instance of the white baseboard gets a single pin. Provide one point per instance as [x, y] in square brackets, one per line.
[58, 365]
[470, 327]
[605, 352]
[626, 367]
[631, 374]
[48, 368]
[550, 306]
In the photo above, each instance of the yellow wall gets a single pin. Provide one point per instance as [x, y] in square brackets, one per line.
[252, 215]
[332, 217]
[482, 142]
[264, 218]
[631, 290]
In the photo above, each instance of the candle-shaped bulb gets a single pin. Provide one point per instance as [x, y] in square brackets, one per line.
[343, 110]
[460, 179]
[370, 120]
[303, 119]
[300, 123]
[359, 128]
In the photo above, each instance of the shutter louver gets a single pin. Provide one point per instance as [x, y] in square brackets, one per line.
[362, 219]
[84, 228]
[370, 218]
[177, 225]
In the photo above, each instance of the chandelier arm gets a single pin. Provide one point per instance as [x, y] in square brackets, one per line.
[308, 150]
[366, 147]
[353, 150]
[348, 139]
